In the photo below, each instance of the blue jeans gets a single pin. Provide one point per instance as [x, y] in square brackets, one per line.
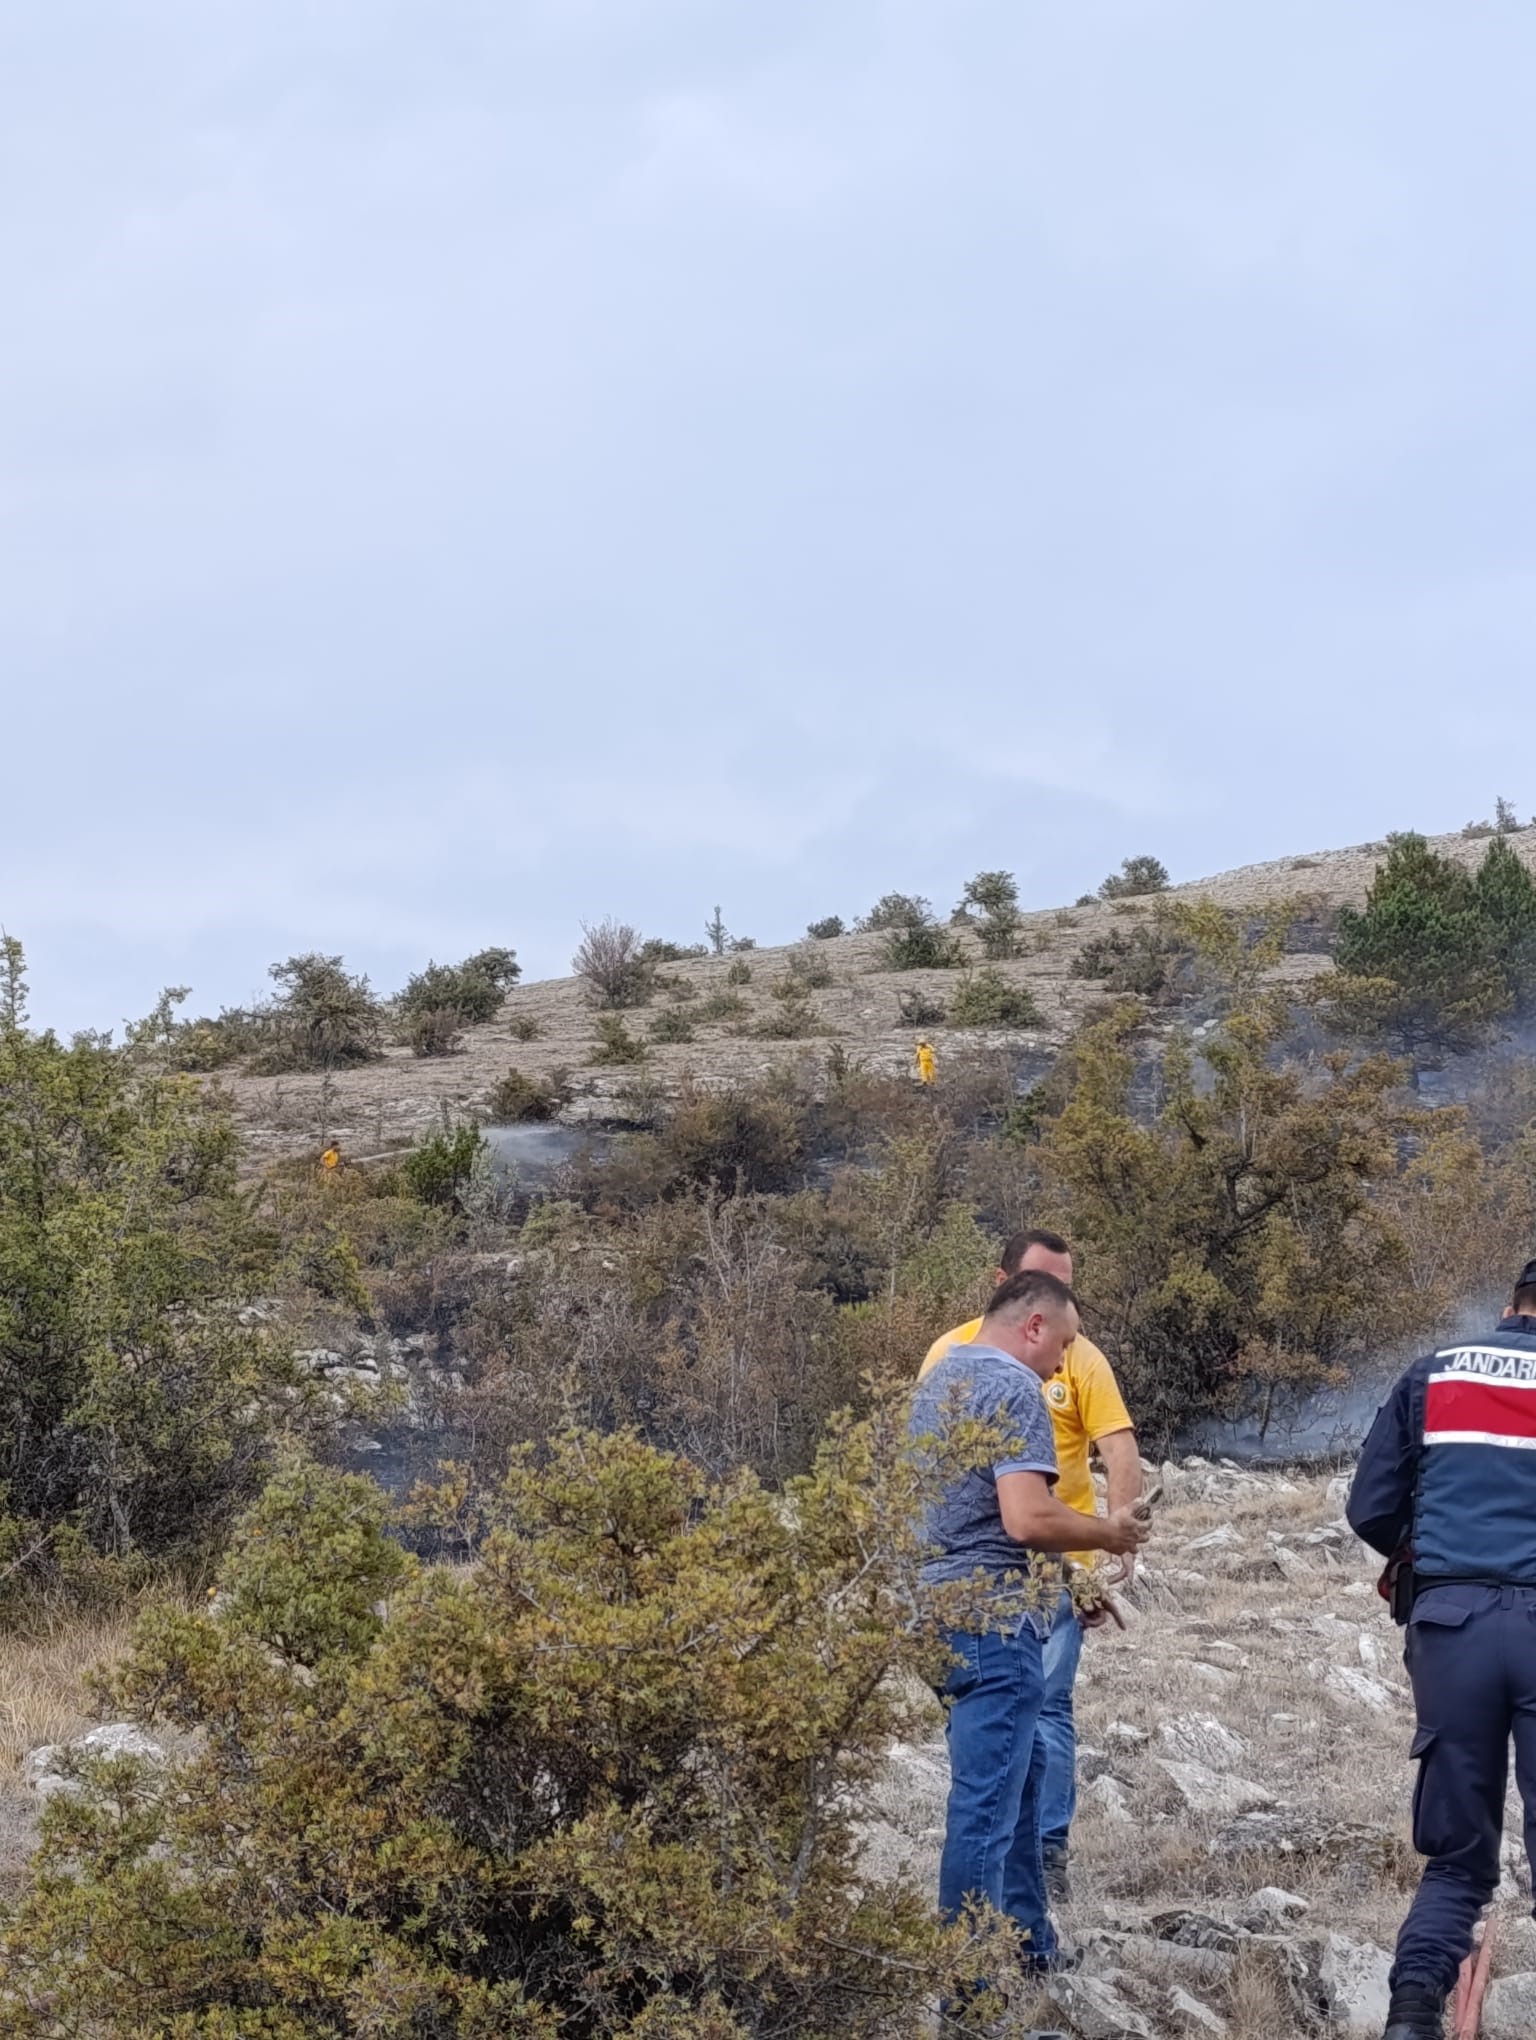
[1057, 1729]
[997, 1769]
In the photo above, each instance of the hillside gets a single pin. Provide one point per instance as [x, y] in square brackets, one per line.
[382, 1106]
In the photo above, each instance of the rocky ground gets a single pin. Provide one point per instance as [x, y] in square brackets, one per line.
[1241, 1857]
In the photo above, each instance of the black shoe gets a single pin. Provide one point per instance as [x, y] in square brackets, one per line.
[1058, 1886]
[1416, 2012]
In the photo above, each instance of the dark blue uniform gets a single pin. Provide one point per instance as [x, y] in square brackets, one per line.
[1450, 1469]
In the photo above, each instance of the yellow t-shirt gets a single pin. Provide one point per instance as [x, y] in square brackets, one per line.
[1085, 1403]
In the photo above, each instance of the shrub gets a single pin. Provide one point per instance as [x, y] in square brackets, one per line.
[474, 989]
[1136, 876]
[677, 988]
[524, 1027]
[615, 1043]
[518, 1098]
[137, 1413]
[609, 959]
[435, 1030]
[671, 1027]
[740, 1138]
[723, 1005]
[204, 1045]
[994, 894]
[988, 1000]
[605, 1783]
[440, 1169]
[827, 930]
[807, 968]
[920, 1009]
[322, 1018]
[654, 950]
[921, 947]
[895, 910]
[739, 973]
[791, 1016]
[1141, 963]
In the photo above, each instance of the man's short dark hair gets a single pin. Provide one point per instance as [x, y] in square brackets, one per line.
[1525, 1290]
[1031, 1289]
[1016, 1247]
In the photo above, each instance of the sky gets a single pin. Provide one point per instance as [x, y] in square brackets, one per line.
[469, 467]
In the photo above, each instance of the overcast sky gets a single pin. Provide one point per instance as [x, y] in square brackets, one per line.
[468, 466]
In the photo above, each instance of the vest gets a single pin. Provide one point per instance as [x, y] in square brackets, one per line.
[1475, 1509]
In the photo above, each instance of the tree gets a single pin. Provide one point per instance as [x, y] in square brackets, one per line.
[604, 1782]
[716, 933]
[474, 989]
[894, 911]
[1232, 1245]
[1136, 877]
[609, 959]
[826, 930]
[1506, 900]
[137, 1413]
[1418, 963]
[322, 1017]
[994, 895]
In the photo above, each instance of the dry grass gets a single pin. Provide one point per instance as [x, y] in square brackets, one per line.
[45, 1698]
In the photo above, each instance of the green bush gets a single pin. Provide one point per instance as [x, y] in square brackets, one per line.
[739, 973]
[518, 1097]
[791, 1017]
[474, 989]
[435, 1030]
[988, 1000]
[1136, 877]
[723, 1005]
[440, 1169]
[524, 1027]
[321, 1018]
[615, 1043]
[894, 910]
[605, 1783]
[827, 930]
[994, 896]
[807, 968]
[1141, 963]
[678, 989]
[671, 1027]
[137, 1412]
[921, 946]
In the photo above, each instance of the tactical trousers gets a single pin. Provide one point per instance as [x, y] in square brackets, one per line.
[1471, 1655]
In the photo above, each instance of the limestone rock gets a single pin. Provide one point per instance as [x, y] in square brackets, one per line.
[1189, 2015]
[1205, 1791]
[52, 1767]
[1271, 1910]
[1509, 2010]
[1094, 2008]
[1202, 1739]
[1108, 1795]
[1353, 1975]
[1359, 1689]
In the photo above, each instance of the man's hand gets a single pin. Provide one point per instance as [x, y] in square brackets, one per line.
[1124, 1532]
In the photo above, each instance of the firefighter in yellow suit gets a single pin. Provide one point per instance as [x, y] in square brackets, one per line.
[927, 1062]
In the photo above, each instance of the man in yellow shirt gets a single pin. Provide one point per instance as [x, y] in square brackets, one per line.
[1087, 1410]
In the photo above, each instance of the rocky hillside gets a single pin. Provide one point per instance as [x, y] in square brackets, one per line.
[383, 1105]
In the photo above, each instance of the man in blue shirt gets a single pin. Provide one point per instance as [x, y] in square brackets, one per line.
[992, 1520]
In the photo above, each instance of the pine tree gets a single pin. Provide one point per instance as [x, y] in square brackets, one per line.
[1506, 898]
[1418, 964]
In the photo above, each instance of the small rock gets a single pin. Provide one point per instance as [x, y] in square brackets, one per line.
[1108, 1795]
[1353, 1975]
[1359, 1689]
[1509, 2010]
[1291, 1564]
[1272, 1909]
[1094, 2008]
[1205, 1791]
[51, 1768]
[1126, 1736]
[1202, 1739]
[1191, 2016]
[1223, 1539]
